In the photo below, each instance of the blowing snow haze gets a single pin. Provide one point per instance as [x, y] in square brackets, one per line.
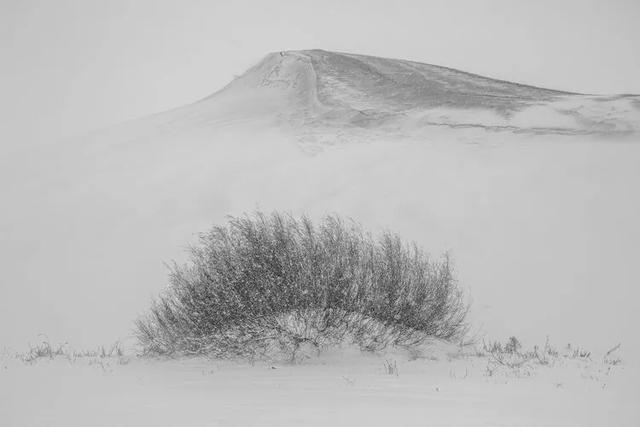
[530, 189]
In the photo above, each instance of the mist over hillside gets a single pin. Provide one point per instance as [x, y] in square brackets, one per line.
[530, 189]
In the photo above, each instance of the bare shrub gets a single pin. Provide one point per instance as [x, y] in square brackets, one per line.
[266, 283]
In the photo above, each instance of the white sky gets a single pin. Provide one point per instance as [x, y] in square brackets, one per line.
[70, 66]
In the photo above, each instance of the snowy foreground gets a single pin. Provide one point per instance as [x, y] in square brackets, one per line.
[441, 388]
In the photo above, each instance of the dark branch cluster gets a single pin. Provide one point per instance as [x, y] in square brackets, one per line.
[266, 283]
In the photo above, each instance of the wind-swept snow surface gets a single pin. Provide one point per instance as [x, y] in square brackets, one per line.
[338, 390]
[533, 192]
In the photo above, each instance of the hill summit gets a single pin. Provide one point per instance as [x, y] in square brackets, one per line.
[317, 89]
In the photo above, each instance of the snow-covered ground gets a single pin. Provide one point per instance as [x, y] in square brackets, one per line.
[533, 192]
[445, 389]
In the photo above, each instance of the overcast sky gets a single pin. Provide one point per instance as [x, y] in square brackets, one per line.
[71, 66]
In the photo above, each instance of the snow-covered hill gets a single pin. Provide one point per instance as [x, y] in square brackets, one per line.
[322, 97]
[337, 89]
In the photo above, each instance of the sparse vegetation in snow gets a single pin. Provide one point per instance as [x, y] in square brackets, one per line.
[512, 359]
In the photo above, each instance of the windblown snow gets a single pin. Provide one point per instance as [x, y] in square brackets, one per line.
[532, 191]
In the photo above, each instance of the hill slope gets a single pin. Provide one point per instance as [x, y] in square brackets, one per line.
[315, 92]
[321, 98]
